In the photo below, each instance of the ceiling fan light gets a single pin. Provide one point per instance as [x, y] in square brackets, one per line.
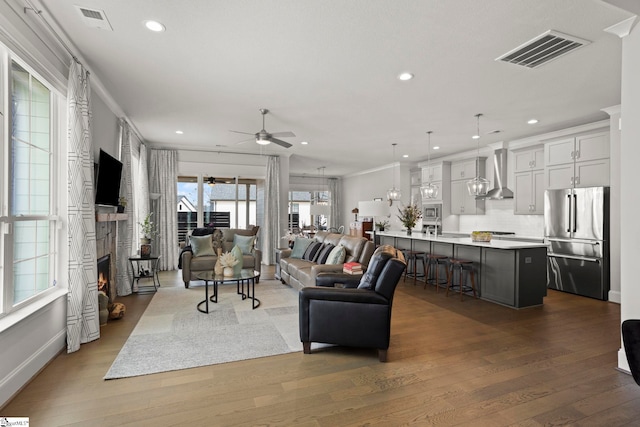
[263, 141]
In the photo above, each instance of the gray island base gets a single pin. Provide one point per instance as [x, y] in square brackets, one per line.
[508, 272]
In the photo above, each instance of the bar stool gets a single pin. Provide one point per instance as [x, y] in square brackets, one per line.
[436, 261]
[412, 258]
[462, 265]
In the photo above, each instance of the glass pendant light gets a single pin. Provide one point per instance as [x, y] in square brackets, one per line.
[478, 186]
[429, 190]
[394, 193]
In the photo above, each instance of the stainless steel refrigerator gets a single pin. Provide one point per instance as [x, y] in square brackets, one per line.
[576, 228]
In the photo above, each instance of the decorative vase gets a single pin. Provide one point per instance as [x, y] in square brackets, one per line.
[227, 271]
[408, 231]
[218, 268]
[145, 247]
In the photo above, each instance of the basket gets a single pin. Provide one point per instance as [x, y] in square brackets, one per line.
[477, 236]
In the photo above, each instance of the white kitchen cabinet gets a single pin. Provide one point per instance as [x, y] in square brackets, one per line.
[529, 193]
[528, 160]
[461, 202]
[581, 161]
[432, 173]
[465, 169]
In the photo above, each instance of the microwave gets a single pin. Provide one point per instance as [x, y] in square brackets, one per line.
[431, 212]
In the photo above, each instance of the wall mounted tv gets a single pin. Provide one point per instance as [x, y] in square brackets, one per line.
[108, 180]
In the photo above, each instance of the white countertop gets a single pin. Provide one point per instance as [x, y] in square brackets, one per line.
[494, 243]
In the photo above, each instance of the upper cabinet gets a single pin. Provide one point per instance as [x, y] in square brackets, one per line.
[528, 160]
[461, 202]
[529, 181]
[432, 173]
[581, 161]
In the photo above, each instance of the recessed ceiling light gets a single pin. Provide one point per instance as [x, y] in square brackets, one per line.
[179, 132]
[304, 143]
[154, 26]
[405, 155]
[532, 121]
[475, 137]
[436, 147]
[405, 76]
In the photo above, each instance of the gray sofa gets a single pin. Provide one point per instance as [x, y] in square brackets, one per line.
[301, 273]
[222, 238]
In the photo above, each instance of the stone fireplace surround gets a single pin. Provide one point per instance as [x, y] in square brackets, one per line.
[106, 232]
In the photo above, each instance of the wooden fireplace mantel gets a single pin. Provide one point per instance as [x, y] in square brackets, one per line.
[107, 217]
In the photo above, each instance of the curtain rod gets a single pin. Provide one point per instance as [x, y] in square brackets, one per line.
[211, 151]
[38, 13]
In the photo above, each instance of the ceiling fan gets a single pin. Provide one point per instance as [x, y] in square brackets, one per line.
[263, 137]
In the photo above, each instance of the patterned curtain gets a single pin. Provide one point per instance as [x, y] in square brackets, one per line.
[126, 238]
[83, 324]
[335, 194]
[163, 178]
[271, 235]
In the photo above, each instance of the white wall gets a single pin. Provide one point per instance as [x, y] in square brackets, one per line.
[630, 202]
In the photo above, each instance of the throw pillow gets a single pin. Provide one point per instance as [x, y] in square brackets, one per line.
[237, 254]
[245, 243]
[201, 245]
[323, 254]
[311, 251]
[337, 255]
[300, 245]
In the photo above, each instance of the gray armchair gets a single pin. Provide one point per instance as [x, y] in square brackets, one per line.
[355, 317]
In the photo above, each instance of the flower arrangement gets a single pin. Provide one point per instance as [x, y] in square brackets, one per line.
[382, 224]
[148, 228]
[228, 260]
[409, 216]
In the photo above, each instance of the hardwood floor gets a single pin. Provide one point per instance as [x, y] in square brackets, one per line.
[450, 363]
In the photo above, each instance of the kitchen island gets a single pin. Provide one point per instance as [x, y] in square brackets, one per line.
[508, 272]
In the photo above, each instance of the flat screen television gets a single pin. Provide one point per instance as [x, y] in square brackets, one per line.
[108, 180]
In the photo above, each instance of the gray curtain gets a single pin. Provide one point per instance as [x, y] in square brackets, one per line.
[126, 238]
[335, 193]
[163, 178]
[271, 233]
[142, 186]
[83, 324]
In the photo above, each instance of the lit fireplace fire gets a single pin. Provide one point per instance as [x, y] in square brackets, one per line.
[104, 267]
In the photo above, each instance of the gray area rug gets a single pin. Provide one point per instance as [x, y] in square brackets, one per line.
[172, 334]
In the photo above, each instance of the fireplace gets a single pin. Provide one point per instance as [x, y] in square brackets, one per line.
[104, 275]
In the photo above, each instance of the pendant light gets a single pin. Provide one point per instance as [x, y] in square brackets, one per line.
[478, 186]
[429, 190]
[393, 193]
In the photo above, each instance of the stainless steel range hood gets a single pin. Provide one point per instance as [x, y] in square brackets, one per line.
[500, 191]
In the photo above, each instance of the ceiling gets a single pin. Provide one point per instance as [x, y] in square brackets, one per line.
[327, 71]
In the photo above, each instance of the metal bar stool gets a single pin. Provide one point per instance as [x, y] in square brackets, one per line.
[412, 258]
[433, 278]
[462, 265]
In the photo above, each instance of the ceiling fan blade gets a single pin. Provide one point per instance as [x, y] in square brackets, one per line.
[245, 133]
[280, 143]
[244, 140]
[284, 134]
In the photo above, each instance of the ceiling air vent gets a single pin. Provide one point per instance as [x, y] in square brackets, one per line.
[542, 49]
[94, 18]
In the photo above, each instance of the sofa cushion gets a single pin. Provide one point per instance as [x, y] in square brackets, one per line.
[333, 238]
[337, 255]
[311, 251]
[353, 246]
[323, 253]
[201, 245]
[300, 245]
[245, 243]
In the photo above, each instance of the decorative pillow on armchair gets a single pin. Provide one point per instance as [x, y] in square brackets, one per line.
[237, 254]
[201, 245]
[245, 243]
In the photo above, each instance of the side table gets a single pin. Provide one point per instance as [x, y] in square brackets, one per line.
[145, 268]
[278, 252]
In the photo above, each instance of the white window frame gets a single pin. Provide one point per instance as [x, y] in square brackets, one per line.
[58, 251]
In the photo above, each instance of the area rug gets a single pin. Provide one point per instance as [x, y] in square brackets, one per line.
[172, 334]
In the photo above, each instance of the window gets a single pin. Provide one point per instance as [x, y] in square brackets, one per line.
[28, 193]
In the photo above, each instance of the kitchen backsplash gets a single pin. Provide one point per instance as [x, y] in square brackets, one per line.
[499, 217]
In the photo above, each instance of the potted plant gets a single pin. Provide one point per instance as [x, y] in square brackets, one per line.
[149, 231]
[382, 224]
[409, 216]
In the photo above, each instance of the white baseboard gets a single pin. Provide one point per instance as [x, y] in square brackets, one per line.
[615, 296]
[22, 374]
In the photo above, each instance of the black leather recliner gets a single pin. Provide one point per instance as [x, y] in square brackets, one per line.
[355, 317]
[631, 340]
